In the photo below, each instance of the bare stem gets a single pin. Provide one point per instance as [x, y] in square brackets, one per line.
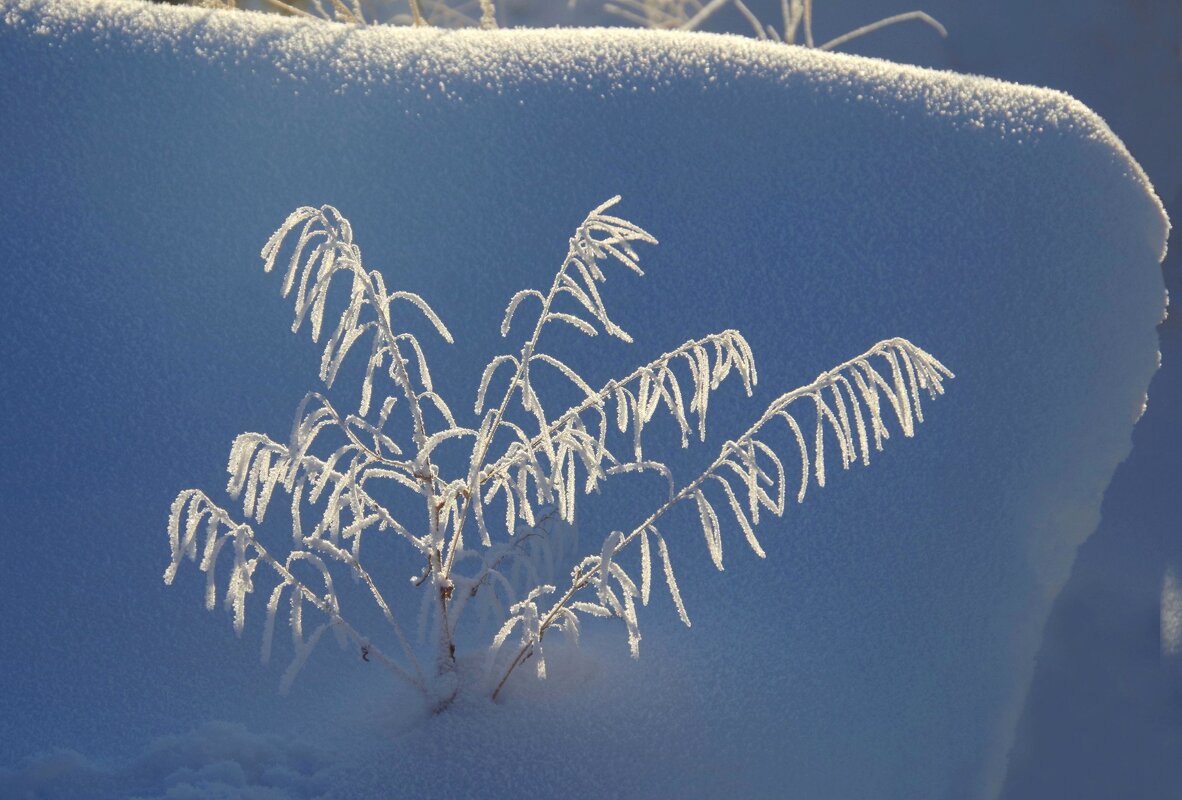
[416, 14]
[882, 23]
[426, 479]
[703, 15]
[289, 9]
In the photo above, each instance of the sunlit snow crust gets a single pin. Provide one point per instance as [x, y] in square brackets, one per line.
[816, 202]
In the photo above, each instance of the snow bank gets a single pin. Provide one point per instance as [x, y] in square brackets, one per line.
[217, 760]
[816, 202]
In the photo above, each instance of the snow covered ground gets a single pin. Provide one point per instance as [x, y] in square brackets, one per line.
[1103, 717]
[817, 202]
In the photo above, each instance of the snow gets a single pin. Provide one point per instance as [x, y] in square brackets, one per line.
[216, 760]
[1094, 725]
[816, 202]
[1171, 615]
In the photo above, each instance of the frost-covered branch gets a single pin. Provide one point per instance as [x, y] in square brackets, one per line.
[839, 398]
[323, 249]
[599, 236]
[193, 507]
[572, 439]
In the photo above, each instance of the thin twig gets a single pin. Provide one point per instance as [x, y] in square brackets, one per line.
[752, 20]
[706, 12]
[282, 6]
[882, 23]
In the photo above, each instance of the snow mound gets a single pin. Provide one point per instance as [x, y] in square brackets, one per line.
[216, 760]
[817, 202]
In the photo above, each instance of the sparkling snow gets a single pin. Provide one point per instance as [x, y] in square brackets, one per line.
[817, 202]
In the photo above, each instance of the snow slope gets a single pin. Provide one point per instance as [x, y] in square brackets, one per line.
[1101, 719]
[817, 202]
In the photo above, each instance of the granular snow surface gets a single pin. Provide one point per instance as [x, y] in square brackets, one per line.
[817, 202]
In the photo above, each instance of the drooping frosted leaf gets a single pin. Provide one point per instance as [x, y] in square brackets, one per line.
[486, 377]
[427, 312]
[646, 567]
[575, 322]
[511, 308]
[670, 578]
[741, 517]
[709, 522]
[804, 454]
[420, 359]
[269, 625]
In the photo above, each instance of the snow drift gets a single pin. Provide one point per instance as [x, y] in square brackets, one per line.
[816, 202]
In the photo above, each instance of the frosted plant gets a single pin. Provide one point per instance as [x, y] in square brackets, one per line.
[796, 17]
[685, 15]
[437, 13]
[485, 512]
